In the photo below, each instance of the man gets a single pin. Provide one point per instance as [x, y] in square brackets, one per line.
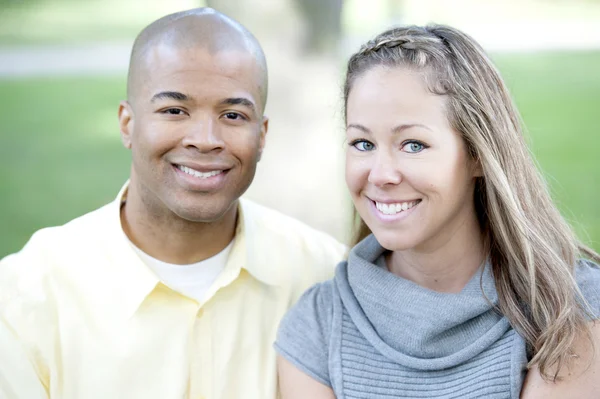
[175, 289]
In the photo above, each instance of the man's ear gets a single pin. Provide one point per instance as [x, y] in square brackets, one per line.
[264, 128]
[126, 123]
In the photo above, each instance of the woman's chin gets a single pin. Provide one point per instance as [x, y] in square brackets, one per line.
[392, 241]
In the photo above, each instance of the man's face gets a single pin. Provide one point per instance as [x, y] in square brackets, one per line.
[196, 131]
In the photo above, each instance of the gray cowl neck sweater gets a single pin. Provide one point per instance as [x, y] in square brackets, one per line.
[371, 334]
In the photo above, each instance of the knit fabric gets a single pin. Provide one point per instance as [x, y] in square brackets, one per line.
[370, 334]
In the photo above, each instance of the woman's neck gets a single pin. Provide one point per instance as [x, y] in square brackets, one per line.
[445, 266]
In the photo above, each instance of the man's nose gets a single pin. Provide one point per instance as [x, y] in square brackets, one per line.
[204, 135]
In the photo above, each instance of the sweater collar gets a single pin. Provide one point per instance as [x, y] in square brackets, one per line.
[415, 322]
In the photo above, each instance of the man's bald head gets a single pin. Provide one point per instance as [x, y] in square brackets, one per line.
[202, 28]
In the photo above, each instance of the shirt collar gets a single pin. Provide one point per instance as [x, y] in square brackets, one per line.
[130, 278]
[133, 281]
[249, 249]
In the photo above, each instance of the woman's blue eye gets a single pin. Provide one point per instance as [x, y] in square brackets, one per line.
[413, 147]
[362, 145]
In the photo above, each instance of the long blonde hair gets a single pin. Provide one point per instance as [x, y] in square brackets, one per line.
[532, 249]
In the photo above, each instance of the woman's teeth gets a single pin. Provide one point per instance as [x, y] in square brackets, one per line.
[392, 209]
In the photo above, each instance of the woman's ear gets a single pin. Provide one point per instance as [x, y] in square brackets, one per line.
[476, 167]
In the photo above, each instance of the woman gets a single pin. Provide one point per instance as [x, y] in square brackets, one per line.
[470, 285]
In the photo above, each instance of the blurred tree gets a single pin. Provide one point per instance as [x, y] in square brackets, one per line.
[227, 7]
[322, 20]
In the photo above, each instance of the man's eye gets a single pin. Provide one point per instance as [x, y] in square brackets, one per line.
[173, 111]
[362, 145]
[233, 116]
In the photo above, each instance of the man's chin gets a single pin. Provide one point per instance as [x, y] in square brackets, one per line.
[207, 214]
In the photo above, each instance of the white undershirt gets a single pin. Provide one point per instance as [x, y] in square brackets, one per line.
[192, 280]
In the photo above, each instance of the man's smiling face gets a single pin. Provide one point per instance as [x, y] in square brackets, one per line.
[195, 129]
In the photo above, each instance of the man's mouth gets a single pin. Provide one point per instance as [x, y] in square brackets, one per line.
[196, 173]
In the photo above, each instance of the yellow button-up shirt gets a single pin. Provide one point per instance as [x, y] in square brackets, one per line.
[82, 317]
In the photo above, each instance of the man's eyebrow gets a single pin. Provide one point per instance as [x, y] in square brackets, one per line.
[239, 101]
[173, 95]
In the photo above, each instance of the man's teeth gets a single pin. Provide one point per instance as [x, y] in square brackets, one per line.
[195, 173]
[392, 209]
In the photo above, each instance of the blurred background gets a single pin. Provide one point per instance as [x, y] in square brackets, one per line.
[63, 69]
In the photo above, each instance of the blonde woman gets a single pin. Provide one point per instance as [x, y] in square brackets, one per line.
[472, 285]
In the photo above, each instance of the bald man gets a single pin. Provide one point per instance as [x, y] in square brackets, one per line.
[176, 288]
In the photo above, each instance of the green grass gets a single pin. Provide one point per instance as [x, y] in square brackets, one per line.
[558, 95]
[61, 156]
[60, 152]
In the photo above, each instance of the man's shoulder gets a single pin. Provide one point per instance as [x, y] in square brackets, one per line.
[276, 228]
[289, 251]
[49, 243]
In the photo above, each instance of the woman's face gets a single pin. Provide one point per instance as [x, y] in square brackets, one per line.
[407, 170]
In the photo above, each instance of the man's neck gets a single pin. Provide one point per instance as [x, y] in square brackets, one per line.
[171, 239]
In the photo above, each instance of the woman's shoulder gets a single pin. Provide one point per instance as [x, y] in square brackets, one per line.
[587, 275]
[587, 266]
[304, 332]
[313, 309]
